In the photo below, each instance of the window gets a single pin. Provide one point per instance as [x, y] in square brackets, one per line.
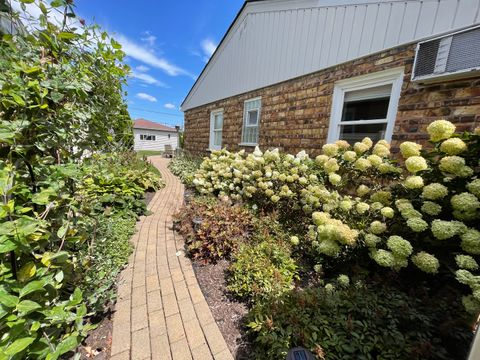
[147, 137]
[216, 129]
[251, 121]
[365, 106]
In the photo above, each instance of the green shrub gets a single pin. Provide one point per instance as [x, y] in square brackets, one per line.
[104, 257]
[61, 101]
[117, 182]
[360, 322]
[261, 271]
[212, 229]
[185, 167]
[359, 204]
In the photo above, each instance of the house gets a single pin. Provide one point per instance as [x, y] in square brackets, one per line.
[296, 74]
[149, 135]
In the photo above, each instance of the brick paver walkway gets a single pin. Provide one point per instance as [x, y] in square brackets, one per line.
[161, 312]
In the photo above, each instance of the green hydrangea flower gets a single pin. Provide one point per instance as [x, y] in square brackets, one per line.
[431, 208]
[334, 179]
[453, 146]
[443, 230]
[474, 187]
[426, 262]
[388, 212]
[466, 262]
[471, 304]
[372, 240]
[413, 182]
[349, 156]
[417, 224]
[363, 190]
[383, 258]
[381, 150]
[362, 207]
[343, 280]
[440, 130]
[411, 214]
[434, 191]
[471, 241]
[409, 148]
[330, 149]
[383, 197]
[415, 164]
[465, 202]
[377, 227]
[452, 164]
[328, 247]
[362, 164]
[399, 246]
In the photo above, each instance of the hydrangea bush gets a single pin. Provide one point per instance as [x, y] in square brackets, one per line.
[419, 211]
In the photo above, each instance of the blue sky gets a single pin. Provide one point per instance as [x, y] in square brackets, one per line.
[167, 45]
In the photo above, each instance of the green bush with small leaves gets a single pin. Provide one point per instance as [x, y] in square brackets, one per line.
[61, 104]
[261, 271]
[357, 322]
[185, 167]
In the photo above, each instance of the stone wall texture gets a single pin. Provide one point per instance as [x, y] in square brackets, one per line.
[295, 114]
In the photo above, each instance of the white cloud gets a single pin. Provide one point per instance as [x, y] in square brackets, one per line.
[147, 79]
[169, 106]
[142, 68]
[146, 97]
[208, 47]
[144, 55]
[149, 38]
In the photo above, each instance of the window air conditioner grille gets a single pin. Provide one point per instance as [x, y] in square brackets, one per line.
[426, 57]
[452, 56]
[464, 51]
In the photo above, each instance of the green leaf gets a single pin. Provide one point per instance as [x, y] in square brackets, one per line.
[67, 35]
[27, 306]
[32, 286]
[43, 8]
[42, 198]
[6, 244]
[67, 345]
[27, 271]
[18, 99]
[18, 345]
[62, 230]
[8, 300]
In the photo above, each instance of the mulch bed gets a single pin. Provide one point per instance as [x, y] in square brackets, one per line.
[98, 344]
[227, 312]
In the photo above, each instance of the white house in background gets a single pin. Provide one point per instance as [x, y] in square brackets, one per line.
[150, 135]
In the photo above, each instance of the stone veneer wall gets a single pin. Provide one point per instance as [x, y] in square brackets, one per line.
[295, 114]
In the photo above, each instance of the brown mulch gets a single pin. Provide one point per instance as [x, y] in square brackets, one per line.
[98, 344]
[228, 313]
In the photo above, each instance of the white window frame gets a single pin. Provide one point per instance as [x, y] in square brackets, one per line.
[245, 113]
[211, 145]
[392, 77]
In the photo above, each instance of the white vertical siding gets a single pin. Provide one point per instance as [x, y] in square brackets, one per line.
[273, 41]
[161, 139]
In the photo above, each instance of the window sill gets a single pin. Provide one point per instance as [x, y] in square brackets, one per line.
[248, 144]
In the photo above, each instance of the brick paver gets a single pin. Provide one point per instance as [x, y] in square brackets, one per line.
[161, 312]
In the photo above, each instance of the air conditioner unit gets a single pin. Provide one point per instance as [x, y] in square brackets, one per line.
[453, 56]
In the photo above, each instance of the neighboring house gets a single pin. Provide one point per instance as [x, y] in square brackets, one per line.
[150, 135]
[295, 74]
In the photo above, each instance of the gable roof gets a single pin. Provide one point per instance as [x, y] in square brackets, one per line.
[150, 125]
[271, 41]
